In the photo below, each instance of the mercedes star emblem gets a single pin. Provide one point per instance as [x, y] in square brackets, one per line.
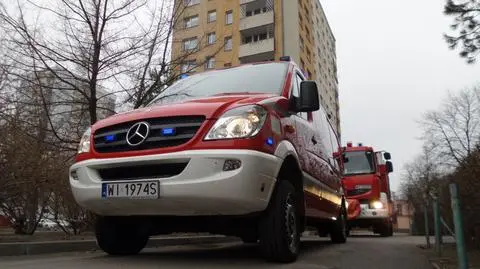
[137, 134]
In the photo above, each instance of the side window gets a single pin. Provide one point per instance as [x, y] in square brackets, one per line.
[335, 147]
[296, 93]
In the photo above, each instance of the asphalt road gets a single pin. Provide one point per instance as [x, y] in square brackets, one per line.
[361, 251]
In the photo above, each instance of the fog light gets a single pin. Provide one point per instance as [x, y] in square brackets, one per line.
[230, 165]
[377, 205]
[74, 175]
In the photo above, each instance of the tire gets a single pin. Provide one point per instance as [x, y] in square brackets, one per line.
[279, 232]
[338, 233]
[386, 229]
[321, 232]
[118, 236]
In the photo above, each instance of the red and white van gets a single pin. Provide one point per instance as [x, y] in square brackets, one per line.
[244, 151]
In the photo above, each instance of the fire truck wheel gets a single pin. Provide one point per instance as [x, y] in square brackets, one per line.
[118, 236]
[386, 229]
[279, 228]
[338, 233]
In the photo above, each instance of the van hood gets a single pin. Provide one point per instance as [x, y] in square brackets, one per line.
[210, 107]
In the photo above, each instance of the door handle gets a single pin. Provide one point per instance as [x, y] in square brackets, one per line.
[314, 141]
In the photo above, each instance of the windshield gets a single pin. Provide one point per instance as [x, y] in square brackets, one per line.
[359, 162]
[256, 78]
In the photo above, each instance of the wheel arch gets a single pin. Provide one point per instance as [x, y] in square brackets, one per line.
[291, 171]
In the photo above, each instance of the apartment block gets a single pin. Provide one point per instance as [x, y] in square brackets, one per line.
[214, 34]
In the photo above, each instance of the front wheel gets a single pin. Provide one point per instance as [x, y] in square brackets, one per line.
[120, 236]
[387, 229]
[339, 233]
[279, 227]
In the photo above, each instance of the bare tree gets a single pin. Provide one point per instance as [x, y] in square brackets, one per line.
[420, 178]
[453, 131]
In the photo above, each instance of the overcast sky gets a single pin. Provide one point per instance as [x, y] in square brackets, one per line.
[393, 65]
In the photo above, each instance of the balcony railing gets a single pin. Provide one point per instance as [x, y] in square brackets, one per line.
[256, 21]
[254, 48]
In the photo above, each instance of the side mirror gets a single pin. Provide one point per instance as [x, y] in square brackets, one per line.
[387, 156]
[345, 158]
[389, 166]
[308, 100]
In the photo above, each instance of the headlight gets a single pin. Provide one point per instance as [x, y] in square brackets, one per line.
[377, 205]
[84, 145]
[241, 122]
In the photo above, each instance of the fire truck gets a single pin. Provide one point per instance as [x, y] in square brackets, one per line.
[367, 188]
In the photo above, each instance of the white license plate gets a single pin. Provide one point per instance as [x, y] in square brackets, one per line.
[133, 190]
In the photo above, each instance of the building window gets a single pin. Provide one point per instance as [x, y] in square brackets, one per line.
[308, 33]
[228, 43]
[399, 210]
[188, 66]
[212, 16]
[190, 21]
[229, 17]
[211, 38]
[191, 2]
[210, 63]
[190, 44]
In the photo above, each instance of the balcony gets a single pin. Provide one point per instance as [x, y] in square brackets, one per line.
[257, 51]
[255, 21]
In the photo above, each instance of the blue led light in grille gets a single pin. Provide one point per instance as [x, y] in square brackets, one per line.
[168, 131]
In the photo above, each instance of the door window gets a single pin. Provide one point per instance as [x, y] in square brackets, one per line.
[296, 93]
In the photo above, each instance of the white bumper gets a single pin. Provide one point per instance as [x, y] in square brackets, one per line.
[202, 188]
[370, 213]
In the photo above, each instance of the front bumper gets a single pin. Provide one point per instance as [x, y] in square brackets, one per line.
[371, 213]
[202, 188]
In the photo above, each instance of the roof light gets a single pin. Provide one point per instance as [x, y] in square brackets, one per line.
[360, 144]
[349, 144]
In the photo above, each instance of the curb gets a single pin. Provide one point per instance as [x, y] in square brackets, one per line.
[35, 248]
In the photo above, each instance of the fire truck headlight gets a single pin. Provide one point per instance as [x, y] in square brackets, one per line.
[377, 205]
